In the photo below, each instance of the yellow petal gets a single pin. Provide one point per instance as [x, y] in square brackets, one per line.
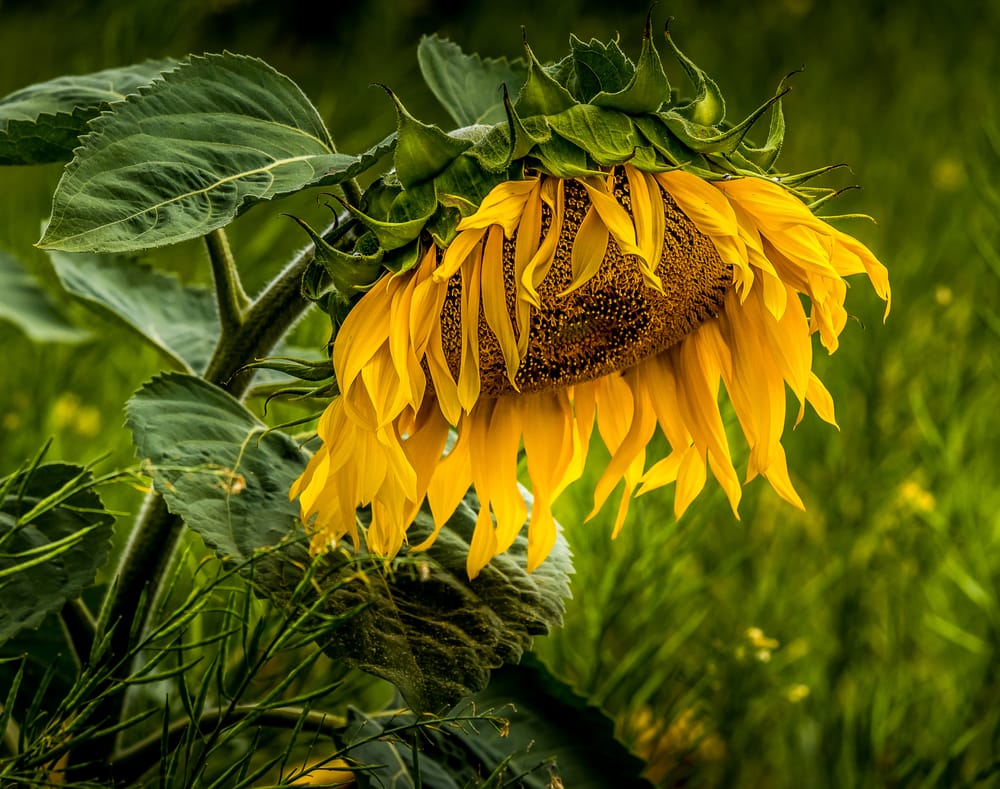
[650, 223]
[821, 400]
[494, 298]
[531, 278]
[450, 480]
[503, 206]
[459, 250]
[613, 215]
[483, 546]
[589, 248]
[690, 480]
[468, 374]
[363, 332]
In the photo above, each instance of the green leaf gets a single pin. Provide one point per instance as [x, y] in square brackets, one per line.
[424, 626]
[43, 122]
[468, 86]
[548, 721]
[179, 320]
[54, 535]
[188, 154]
[26, 305]
[533, 729]
[434, 633]
[647, 89]
[216, 464]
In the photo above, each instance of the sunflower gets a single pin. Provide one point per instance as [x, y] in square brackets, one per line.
[620, 294]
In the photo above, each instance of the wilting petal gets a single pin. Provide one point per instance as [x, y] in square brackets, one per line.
[561, 304]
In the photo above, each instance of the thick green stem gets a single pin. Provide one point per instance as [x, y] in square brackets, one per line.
[352, 192]
[156, 532]
[231, 299]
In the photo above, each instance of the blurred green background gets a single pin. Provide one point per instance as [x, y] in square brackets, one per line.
[855, 644]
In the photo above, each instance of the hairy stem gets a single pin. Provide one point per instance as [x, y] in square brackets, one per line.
[352, 192]
[230, 297]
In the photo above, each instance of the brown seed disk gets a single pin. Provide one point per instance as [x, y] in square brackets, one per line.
[609, 324]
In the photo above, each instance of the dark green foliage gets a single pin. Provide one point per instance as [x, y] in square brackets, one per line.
[54, 535]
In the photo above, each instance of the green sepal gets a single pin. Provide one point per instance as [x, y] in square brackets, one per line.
[597, 68]
[707, 108]
[644, 158]
[707, 139]
[402, 259]
[606, 135]
[541, 94]
[563, 159]
[524, 134]
[735, 163]
[349, 273]
[665, 141]
[422, 150]
[826, 195]
[648, 87]
[767, 154]
[407, 216]
[443, 226]
[302, 369]
[800, 178]
[500, 146]
[465, 184]
[494, 151]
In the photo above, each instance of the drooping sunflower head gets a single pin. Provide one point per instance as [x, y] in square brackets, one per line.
[595, 252]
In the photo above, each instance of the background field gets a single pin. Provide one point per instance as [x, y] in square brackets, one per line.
[855, 644]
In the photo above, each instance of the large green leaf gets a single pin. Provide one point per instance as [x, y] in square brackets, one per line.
[54, 534]
[468, 86]
[188, 153]
[548, 721]
[43, 122]
[215, 463]
[25, 304]
[434, 633]
[532, 730]
[181, 320]
[424, 625]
